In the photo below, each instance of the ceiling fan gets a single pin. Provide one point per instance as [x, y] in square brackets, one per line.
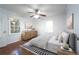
[37, 13]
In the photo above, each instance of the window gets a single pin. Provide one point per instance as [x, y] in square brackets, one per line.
[14, 25]
[49, 26]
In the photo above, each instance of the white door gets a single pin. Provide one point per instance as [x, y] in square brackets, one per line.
[3, 32]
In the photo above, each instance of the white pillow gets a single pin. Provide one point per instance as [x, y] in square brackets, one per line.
[60, 38]
[63, 37]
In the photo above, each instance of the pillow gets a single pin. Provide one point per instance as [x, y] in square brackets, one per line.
[63, 37]
[72, 41]
[60, 38]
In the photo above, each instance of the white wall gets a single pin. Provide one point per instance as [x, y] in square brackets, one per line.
[6, 38]
[59, 23]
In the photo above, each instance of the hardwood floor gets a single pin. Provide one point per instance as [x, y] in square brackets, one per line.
[14, 49]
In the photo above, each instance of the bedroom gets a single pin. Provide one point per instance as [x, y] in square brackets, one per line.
[39, 20]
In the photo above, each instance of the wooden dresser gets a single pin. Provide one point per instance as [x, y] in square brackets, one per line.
[27, 35]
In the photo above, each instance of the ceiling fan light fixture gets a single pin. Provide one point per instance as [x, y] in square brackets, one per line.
[36, 16]
[39, 12]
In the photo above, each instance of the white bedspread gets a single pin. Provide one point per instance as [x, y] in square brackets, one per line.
[40, 41]
[46, 42]
[53, 45]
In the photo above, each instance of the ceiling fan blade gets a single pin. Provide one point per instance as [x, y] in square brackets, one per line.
[31, 15]
[43, 15]
[30, 12]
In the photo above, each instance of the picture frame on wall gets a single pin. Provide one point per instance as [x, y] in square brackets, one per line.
[70, 22]
[14, 25]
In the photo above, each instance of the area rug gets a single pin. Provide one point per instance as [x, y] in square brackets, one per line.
[37, 51]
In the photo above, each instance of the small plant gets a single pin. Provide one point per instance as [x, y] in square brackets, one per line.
[66, 46]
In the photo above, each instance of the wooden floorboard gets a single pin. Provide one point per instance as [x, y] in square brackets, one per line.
[14, 49]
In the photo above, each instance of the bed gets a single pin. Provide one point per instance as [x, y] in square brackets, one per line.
[53, 42]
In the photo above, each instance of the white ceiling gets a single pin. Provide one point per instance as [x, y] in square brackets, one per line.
[49, 9]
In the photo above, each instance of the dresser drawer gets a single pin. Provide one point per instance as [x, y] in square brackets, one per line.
[28, 35]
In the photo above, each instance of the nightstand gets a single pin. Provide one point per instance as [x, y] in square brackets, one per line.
[65, 52]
